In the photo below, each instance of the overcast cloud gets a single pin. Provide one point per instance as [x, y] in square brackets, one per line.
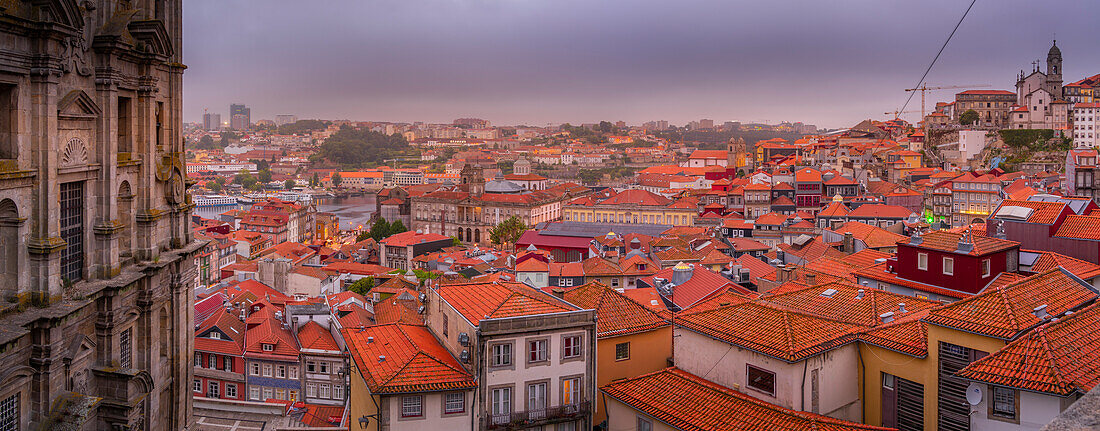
[551, 61]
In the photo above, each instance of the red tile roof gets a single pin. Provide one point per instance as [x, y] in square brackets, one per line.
[691, 403]
[1086, 227]
[400, 358]
[703, 283]
[1061, 357]
[1006, 311]
[989, 92]
[880, 211]
[499, 299]
[849, 303]
[1049, 260]
[408, 238]
[224, 322]
[873, 236]
[616, 313]
[393, 310]
[315, 337]
[270, 331]
[1042, 212]
[942, 240]
[908, 335]
[771, 330]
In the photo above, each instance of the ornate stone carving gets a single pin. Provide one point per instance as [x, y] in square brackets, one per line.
[75, 153]
[75, 49]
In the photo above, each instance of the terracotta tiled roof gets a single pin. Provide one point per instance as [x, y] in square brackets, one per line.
[476, 301]
[1049, 260]
[225, 322]
[878, 272]
[270, 331]
[1042, 212]
[1006, 311]
[408, 238]
[1060, 357]
[703, 282]
[949, 241]
[771, 219]
[908, 335]
[392, 310]
[771, 330]
[835, 209]
[849, 303]
[313, 336]
[1085, 227]
[616, 314]
[880, 211]
[400, 358]
[873, 236]
[691, 403]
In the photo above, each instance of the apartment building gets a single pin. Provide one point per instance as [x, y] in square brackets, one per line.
[534, 354]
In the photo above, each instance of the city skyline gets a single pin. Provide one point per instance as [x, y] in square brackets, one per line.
[534, 64]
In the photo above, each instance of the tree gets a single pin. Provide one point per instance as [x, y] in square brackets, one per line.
[264, 176]
[206, 143]
[289, 184]
[969, 117]
[215, 186]
[380, 229]
[336, 179]
[506, 166]
[314, 181]
[356, 147]
[455, 241]
[362, 236]
[362, 286]
[508, 231]
[397, 227]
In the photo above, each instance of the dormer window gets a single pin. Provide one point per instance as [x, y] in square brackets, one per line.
[215, 335]
[268, 347]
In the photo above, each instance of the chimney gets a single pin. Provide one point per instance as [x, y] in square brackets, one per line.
[784, 274]
[559, 292]
[901, 308]
[1040, 312]
[849, 243]
[859, 294]
[811, 279]
[887, 317]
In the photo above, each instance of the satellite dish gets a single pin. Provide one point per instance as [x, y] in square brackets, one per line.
[974, 394]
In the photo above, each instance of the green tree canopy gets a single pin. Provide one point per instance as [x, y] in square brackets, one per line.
[264, 176]
[362, 286]
[336, 179]
[289, 184]
[508, 231]
[356, 147]
[969, 117]
[380, 229]
[301, 126]
[397, 227]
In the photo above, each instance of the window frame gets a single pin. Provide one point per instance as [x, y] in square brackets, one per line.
[620, 357]
[448, 402]
[986, 266]
[574, 341]
[509, 355]
[532, 350]
[999, 415]
[945, 262]
[407, 405]
[922, 265]
[749, 369]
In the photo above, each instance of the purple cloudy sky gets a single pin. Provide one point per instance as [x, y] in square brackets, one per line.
[550, 61]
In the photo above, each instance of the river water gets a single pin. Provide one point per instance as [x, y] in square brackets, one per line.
[353, 211]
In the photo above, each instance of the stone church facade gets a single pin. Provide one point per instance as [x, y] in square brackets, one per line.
[97, 267]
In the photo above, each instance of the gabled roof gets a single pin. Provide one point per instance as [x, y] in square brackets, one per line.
[270, 331]
[616, 314]
[849, 303]
[771, 330]
[873, 236]
[1048, 260]
[499, 299]
[942, 240]
[880, 211]
[394, 310]
[1060, 357]
[1040, 212]
[907, 335]
[691, 403]
[224, 322]
[1086, 227]
[1007, 311]
[703, 283]
[399, 358]
[315, 337]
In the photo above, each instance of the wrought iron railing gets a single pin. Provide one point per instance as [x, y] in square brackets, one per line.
[537, 417]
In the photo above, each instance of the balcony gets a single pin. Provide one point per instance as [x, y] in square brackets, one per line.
[539, 417]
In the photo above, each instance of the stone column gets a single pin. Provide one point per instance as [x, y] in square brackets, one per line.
[44, 241]
[107, 226]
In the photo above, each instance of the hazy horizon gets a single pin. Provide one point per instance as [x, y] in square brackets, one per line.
[537, 63]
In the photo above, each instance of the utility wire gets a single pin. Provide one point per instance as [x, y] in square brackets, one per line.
[929, 69]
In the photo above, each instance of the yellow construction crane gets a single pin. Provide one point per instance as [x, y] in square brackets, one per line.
[924, 87]
[896, 113]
